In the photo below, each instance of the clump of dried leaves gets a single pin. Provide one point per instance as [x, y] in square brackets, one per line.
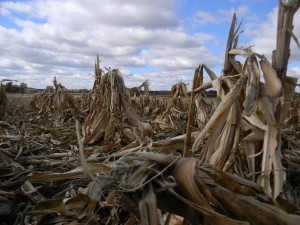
[174, 116]
[59, 103]
[111, 117]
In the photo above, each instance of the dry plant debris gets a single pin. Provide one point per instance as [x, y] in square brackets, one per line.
[3, 102]
[174, 116]
[244, 153]
[247, 123]
[111, 116]
[59, 103]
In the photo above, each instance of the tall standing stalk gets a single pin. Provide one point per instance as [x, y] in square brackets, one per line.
[286, 12]
[197, 81]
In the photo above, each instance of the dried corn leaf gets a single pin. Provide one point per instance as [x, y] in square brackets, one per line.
[200, 194]
[273, 86]
[184, 176]
[270, 144]
[211, 74]
[148, 207]
[78, 207]
[252, 86]
[289, 93]
[225, 146]
[73, 174]
[226, 103]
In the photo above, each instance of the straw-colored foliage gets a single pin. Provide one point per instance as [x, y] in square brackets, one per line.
[106, 158]
[111, 116]
[171, 118]
[158, 183]
[59, 103]
[245, 124]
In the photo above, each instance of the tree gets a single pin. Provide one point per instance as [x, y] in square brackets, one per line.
[8, 86]
[23, 88]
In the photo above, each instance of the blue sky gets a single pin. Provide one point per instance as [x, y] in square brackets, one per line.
[162, 41]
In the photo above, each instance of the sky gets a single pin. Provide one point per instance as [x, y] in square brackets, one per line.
[162, 41]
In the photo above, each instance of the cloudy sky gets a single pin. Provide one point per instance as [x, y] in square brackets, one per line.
[159, 40]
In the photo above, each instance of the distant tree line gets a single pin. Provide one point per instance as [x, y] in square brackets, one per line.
[10, 87]
[209, 93]
[78, 91]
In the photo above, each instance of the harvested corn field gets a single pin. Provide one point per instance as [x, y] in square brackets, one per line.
[106, 157]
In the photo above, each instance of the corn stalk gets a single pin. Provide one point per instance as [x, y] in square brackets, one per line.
[111, 116]
[3, 102]
[286, 12]
[245, 124]
[197, 81]
[186, 187]
[170, 120]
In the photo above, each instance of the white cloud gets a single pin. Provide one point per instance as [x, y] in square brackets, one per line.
[78, 14]
[224, 15]
[264, 40]
[294, 71]
[4, 12]
[204, 18]
[16, 6]
[241, 11]
[62, 37]
[172, 58]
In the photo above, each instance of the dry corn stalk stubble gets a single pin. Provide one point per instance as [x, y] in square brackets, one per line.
[58, 104]
[245, 112]
[190, 189]
[242, 136]
[111, 116]
[231, 187]
[143, 104]
[174, 116]
[143, 182]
